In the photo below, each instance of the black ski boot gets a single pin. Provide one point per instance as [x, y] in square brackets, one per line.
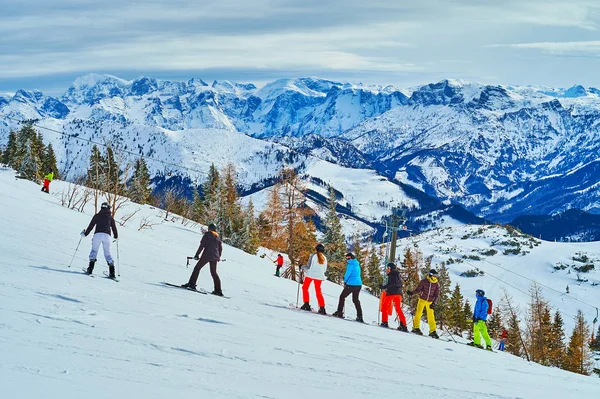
[402, 327]
[338, 314]
[189, 286]
[359, 319]
[434, 334]
[384, 324]
[90, 268]
[417, 331]
[322, 310]
[111, 270]
[489, 348]
[306, 306]
[217, 293]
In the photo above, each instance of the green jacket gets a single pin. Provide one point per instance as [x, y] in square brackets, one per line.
[49, 176]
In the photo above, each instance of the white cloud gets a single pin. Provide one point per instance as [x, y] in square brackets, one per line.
[429, 38]
[560, 48]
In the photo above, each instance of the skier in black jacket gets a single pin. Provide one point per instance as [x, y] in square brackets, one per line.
[104, 223]
[393, 294]
[212, 246]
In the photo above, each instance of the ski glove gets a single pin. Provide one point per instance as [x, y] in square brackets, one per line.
[475, 319]
[409, 292]
[83, 233]
[432, 306]
[196, 257]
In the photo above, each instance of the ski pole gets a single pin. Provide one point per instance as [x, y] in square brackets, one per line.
[118, 261]
[451, 336]
[298, 290]
[73, 258]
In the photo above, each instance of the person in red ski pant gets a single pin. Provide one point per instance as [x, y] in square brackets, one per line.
[393, 296]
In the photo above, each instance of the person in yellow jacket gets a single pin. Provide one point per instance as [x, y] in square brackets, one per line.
[429, 292]
[47, 179]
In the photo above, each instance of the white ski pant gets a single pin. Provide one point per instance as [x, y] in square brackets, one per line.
[104, 239]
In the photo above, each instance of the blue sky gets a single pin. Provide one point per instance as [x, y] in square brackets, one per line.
[47, 44]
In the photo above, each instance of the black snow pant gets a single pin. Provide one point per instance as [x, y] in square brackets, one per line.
[213, 273]
[355, 291]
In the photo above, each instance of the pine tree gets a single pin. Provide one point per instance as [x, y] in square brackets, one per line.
[298, 232]
[513, 341]
[596, 341]
[467, 312]
[251, 239]
[305, 239]
[210, 189]
[30, 162]
[197, 206]
[334, 241]
[271, 222]
[494, 322]
[95, 174]
[538, 326]
[10, 153]
[556, 346]
[41, 148]
[231, 218]
[455, 319]
[360, 255]
[49, 162]
[409, 271]
[579, 357]
[442, 306]
[139, 190]
[112, 174]
[373, 271]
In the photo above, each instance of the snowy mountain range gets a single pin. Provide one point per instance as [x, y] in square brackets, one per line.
[498, 151]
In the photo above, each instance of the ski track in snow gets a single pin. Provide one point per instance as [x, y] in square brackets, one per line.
[63, 334]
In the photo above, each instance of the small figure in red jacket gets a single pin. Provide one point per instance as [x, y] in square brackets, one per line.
[279, 263]
[503, 337]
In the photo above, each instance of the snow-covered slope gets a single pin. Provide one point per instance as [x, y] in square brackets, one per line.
[63, 334]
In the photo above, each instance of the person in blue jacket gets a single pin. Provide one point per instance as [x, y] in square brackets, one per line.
[480, 314]
[352, 285]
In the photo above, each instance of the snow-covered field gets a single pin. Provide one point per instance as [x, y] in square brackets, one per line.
[66, 335]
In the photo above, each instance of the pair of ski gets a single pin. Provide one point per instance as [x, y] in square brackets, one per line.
[294, 307]
[105, 275]
[200, 291]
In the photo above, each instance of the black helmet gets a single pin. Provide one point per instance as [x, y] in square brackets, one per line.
[480, 292]
[350, 255]
[391, 266]
[105, 205]
[212, 227]
[320, 247]
[433, 272]
[278, 255]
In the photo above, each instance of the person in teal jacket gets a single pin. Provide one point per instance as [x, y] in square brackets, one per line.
[352, 285]
[480, 314]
